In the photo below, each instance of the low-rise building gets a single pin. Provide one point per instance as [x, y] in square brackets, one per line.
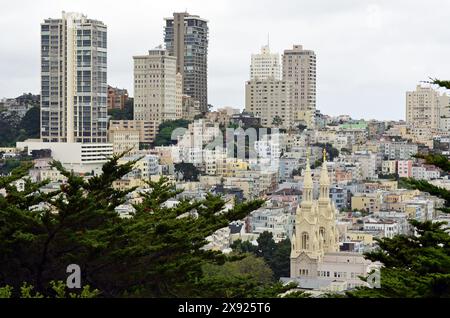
[117, 97]
[147, 129]
[425, 172]
[276, 218]
[387, 228]
[79, 157]
[404, 168]
[369, 202]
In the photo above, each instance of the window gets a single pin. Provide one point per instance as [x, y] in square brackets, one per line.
[322, 234]
[305, 241]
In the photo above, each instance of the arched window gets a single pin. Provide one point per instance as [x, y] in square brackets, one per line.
[305, 241]
[322, 234]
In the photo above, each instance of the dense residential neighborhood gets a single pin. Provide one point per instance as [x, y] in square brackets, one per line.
[320, 192]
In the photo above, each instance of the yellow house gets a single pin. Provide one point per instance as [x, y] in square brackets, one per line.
[232, 166]
[369, 202]
[411, 211]
[125, 184]
[372, 147]
[366, 238]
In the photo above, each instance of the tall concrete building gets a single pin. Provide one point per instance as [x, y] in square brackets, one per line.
[186, 38]
[299, 66]
[73, 80]
[157, 95]
[265, 65]
[444, 113]
[266, 96]
[270, 99]
[427, 114]
[423, 107]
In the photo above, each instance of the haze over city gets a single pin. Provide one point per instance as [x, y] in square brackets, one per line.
[368, 53]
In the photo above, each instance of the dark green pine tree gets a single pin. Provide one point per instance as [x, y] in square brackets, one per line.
[158, 252]
[413, 266]
[76, 224]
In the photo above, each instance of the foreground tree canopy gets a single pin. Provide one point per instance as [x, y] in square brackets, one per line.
[158, 252]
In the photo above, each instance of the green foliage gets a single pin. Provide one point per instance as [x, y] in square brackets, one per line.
[31, 123]
[26, 291]
[276, 255]
[6, 291]
[425, 186]
[8, 165]
[240, 246]
[413, 266]
[8, 130]
[422, 185]
[158, 252]
[437, 160]
[331, 151]
[13, 129]
[296, 172]
[188, 170]
[301, 127]
[297, 294]
[251, 269]
[58, 287]
[123, 114]
[444, 84]
[164, 135]
[391, 176]
[277, 121]
[418, 265]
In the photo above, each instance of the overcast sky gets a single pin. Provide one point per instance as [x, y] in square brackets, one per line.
[368, 52]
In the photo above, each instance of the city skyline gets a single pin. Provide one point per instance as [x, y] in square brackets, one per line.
[377, 67]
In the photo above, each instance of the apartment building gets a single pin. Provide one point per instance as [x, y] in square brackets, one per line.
[156, 93]
[73, 79]
[299, 67]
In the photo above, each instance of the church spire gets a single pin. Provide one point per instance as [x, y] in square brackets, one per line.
[307, 181]
[324, 179]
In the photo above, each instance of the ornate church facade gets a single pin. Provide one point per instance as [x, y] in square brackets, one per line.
[315, 254]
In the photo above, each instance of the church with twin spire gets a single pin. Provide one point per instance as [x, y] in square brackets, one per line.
[316, 261]
[315, 225]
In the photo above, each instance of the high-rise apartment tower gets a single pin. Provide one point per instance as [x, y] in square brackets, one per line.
[186, 38]
[73, 80]
[299, 67]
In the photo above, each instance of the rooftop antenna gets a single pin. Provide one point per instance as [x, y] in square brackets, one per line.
[268, 40]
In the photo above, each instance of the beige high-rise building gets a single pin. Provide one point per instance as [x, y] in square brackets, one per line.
[427, 113]
[74, 85]
[156, 87]
[265, 65]
[444, 113]
[422, 107]
[299, 66]
[271, 100]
